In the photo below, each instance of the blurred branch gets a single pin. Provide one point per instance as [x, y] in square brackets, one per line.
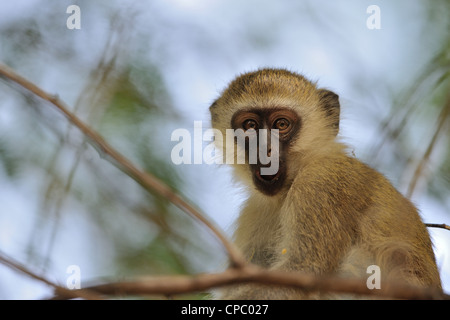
[67, 293]
[168, 285]
[395, 123]
[89, 95]
[443, 117]
[148, 181]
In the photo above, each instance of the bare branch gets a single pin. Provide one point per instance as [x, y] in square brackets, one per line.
[437, 225]
[169, 285]
[64, 292]
[148, 181]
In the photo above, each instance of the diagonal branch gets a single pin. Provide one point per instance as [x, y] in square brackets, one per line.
[146, 180]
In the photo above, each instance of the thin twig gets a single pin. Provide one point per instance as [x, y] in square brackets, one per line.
[443, 118]
[148, 181]
[170, 285]
[61, 291]
[88, 96]
[437, 225]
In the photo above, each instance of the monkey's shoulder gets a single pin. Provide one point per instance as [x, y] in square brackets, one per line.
[340, 169]
[344, 178]
[347, 183]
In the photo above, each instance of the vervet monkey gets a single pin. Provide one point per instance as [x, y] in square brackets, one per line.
[323, 211]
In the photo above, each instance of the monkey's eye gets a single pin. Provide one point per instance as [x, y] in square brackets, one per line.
[250, 124]
[281, 124]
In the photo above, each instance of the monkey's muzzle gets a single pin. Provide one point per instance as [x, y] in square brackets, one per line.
[269, 184]
[268, 178]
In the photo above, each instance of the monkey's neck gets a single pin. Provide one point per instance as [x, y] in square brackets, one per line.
[261, 200]
[258, 227]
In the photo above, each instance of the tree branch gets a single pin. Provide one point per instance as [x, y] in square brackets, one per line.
[437, 225]
[67, 293]
[148, 181]
[169, 285]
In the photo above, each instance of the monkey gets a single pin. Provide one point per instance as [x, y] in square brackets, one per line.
[323, 212]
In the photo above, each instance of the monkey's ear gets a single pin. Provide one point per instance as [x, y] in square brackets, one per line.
[213, 105]
[330, 103]
[213, 111]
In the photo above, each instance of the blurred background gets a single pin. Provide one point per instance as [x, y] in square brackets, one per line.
[135, 71]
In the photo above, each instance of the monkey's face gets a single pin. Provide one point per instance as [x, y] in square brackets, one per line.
[268, 134]
[283, 117]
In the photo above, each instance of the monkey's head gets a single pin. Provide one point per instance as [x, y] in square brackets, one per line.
[277, 117]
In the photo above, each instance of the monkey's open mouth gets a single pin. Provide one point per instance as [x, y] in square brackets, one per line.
[271, 178]
[269, 184]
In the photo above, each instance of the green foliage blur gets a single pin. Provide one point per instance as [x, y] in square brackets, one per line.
[76, 208]
[106, 78]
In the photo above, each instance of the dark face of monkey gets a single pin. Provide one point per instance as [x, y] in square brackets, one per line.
[305, 119]
[257, 123]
